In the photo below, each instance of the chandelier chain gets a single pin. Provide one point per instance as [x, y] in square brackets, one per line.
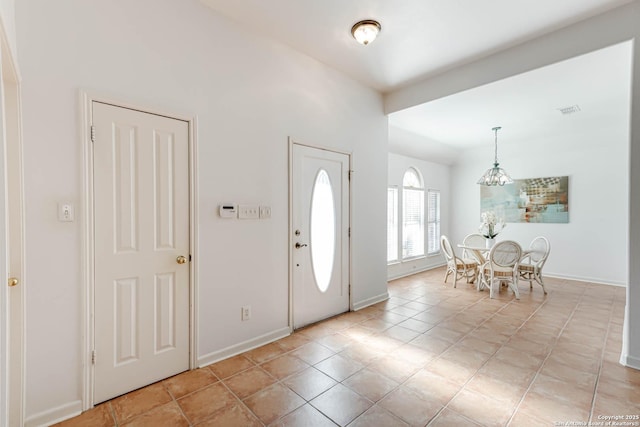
[496, 129]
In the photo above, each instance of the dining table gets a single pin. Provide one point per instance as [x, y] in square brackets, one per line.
[481, 254]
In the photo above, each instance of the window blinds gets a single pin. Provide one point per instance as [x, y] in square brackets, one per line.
[392, 224]
[433, 221]
[412, 222]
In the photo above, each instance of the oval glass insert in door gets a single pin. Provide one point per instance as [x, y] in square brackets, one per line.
[323, 230]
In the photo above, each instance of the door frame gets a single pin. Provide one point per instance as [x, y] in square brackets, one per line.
[87, 223]
[293, 142]
[12, 372]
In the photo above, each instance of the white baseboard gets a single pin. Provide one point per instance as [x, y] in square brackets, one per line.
[414, 271]
[598, 281]
[630, 361]
[370, 301]
[55, 415]
[236, 349]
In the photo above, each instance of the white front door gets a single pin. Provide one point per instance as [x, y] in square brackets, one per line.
[141, 210]
[320, 234]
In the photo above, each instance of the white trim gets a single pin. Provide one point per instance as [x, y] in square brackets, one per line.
[291, 142]
[10, 55]
[242, 347]
[55, 415]
[550, 275]
[370, 301]
[87, 225]
[630, 361]
[416, 271]
[12, 407]
[194, 202]
[594, 280]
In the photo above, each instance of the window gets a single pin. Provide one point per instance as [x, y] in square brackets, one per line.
[412, 214]
[392, 224]
[433, 222]
[323, 230]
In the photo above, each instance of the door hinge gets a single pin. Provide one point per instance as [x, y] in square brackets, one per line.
[93, 133]
[349, 231]
[93, 357]
[350, 172]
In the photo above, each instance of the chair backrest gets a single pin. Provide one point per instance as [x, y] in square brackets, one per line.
[476, 240]
[505, 253]
[447, 249]
[539, 250]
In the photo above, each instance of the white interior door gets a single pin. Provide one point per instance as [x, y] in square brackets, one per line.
[320, 235]
[141, 209]
[12, 297]
[15, 250]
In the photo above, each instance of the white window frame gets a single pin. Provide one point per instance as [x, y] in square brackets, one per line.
[433, 220]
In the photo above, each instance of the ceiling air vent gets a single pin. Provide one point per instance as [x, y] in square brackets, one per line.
[569, 110]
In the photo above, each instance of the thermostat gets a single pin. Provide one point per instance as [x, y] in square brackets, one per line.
[228, 210]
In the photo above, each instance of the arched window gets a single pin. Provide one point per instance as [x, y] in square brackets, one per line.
[412, 214]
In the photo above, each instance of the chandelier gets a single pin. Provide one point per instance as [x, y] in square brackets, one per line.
[495, 175]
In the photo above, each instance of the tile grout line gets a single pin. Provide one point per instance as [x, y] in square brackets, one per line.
[446, 406]
[365, 366]
[547, 357]
[583, 299]
[604, 350]
[112, 413]
[173, 398]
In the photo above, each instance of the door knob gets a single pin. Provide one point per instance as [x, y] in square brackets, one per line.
[12, 282]
[181, 259]
[300, 245]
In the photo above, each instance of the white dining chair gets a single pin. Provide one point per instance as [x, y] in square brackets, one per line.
[467, 268]
[476, 240]
[502, 267]
[532, 261]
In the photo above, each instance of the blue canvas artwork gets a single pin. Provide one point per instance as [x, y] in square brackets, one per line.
[542, 200]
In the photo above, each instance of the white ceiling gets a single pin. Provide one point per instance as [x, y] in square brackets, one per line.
[422, 38]
[419, 38]
[527, 106]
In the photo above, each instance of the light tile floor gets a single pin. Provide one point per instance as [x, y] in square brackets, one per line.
[430, 355]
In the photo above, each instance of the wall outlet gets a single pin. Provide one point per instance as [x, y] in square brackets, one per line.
[265, 212]
[248, 212]
[246, 312]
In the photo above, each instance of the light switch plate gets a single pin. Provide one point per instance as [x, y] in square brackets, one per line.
[66, 212]
[265, 212]
[248, 212]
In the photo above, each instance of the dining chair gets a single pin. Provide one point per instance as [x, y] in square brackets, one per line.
[502, 267]
[466, 267]
[532, 261]
[474, 240]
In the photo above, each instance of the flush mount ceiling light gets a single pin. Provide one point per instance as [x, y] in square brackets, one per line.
[365, 31]
[495, 175]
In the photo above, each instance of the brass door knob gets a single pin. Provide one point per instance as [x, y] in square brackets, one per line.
[12, 282]
[181, 259]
